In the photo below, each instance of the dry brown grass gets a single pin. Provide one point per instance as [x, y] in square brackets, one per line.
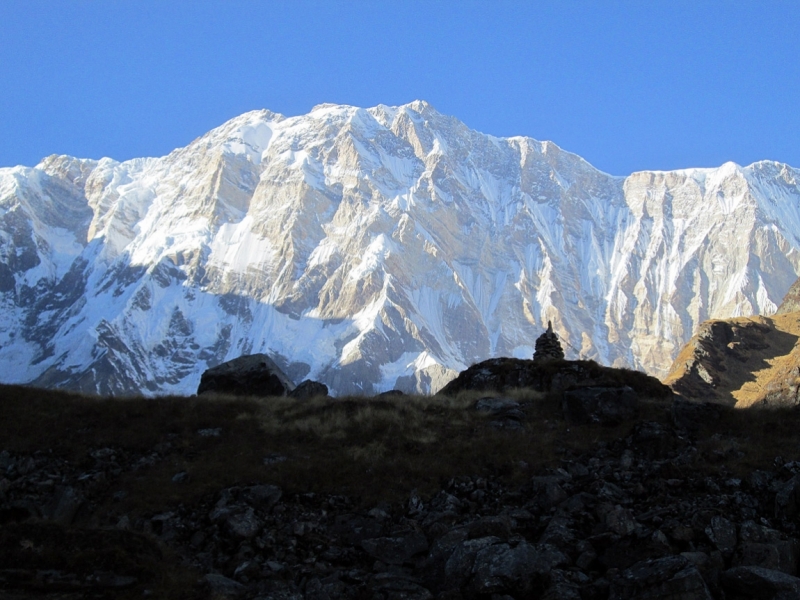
[373, 449]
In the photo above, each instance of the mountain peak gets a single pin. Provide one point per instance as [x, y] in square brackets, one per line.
[372, 249]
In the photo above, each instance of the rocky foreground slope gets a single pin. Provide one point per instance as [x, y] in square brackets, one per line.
[372, 249]
[395, 499]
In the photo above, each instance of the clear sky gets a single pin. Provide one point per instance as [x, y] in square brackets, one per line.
[646, 84]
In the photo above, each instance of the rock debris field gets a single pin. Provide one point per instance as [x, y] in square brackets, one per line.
[641, 516]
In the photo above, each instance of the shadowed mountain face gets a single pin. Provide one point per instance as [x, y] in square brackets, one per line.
[372, 249]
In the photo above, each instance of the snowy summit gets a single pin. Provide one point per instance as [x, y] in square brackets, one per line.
[372, 249]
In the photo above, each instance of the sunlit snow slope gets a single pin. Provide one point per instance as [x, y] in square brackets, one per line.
[372, 249]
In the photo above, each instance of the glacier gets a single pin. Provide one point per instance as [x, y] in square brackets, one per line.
[372, 249]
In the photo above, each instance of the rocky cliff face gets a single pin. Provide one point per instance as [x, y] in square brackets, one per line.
[372, 249]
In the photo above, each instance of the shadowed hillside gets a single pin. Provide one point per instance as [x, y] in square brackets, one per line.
[412, 497]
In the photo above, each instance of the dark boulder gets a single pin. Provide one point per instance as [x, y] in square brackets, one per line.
[506, 413]
[251, 375]
[398, 549]
[760, 583]
[391, 394]
[309, 389]
[668, 577]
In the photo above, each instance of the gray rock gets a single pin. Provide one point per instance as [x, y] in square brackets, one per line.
[559, 534]
[309, 389]
[620, 520]
[105, 579]
[496, 406]
[396, 550]
[759, 545]
[354, 529]
[318, 589]
[5, 460]
[698, 559]
[664, 578]
[523, 569]
[25, 465]
[459, 566]
[64, 506]
[760, 583]
[242, 524]
[565, 585]
[247, 570]
[508, 424]
[432, 569]
[415, 504]
[274, 459]
[499, 527]
[604, 405]
[210, 432]
[251, 375]
[756, 554]
[396, 586]
[223, 586]
[787, 499]
[722, 534]
[262, 496]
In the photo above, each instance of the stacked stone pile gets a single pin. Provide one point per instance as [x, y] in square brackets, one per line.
[631, 519]
[547, 346]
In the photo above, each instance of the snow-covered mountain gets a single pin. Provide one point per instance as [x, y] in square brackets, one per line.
[372, 249]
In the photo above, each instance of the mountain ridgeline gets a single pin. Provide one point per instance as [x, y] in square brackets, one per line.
[372, 249]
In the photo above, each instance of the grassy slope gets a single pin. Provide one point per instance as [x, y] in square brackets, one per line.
[373, 449]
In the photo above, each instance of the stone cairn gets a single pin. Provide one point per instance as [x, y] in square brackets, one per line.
[547, 346]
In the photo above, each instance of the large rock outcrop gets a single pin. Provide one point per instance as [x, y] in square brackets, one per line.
[741, 362]
[503, 374]
[252, 375]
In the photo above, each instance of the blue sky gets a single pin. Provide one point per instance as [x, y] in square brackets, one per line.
[627, 85]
